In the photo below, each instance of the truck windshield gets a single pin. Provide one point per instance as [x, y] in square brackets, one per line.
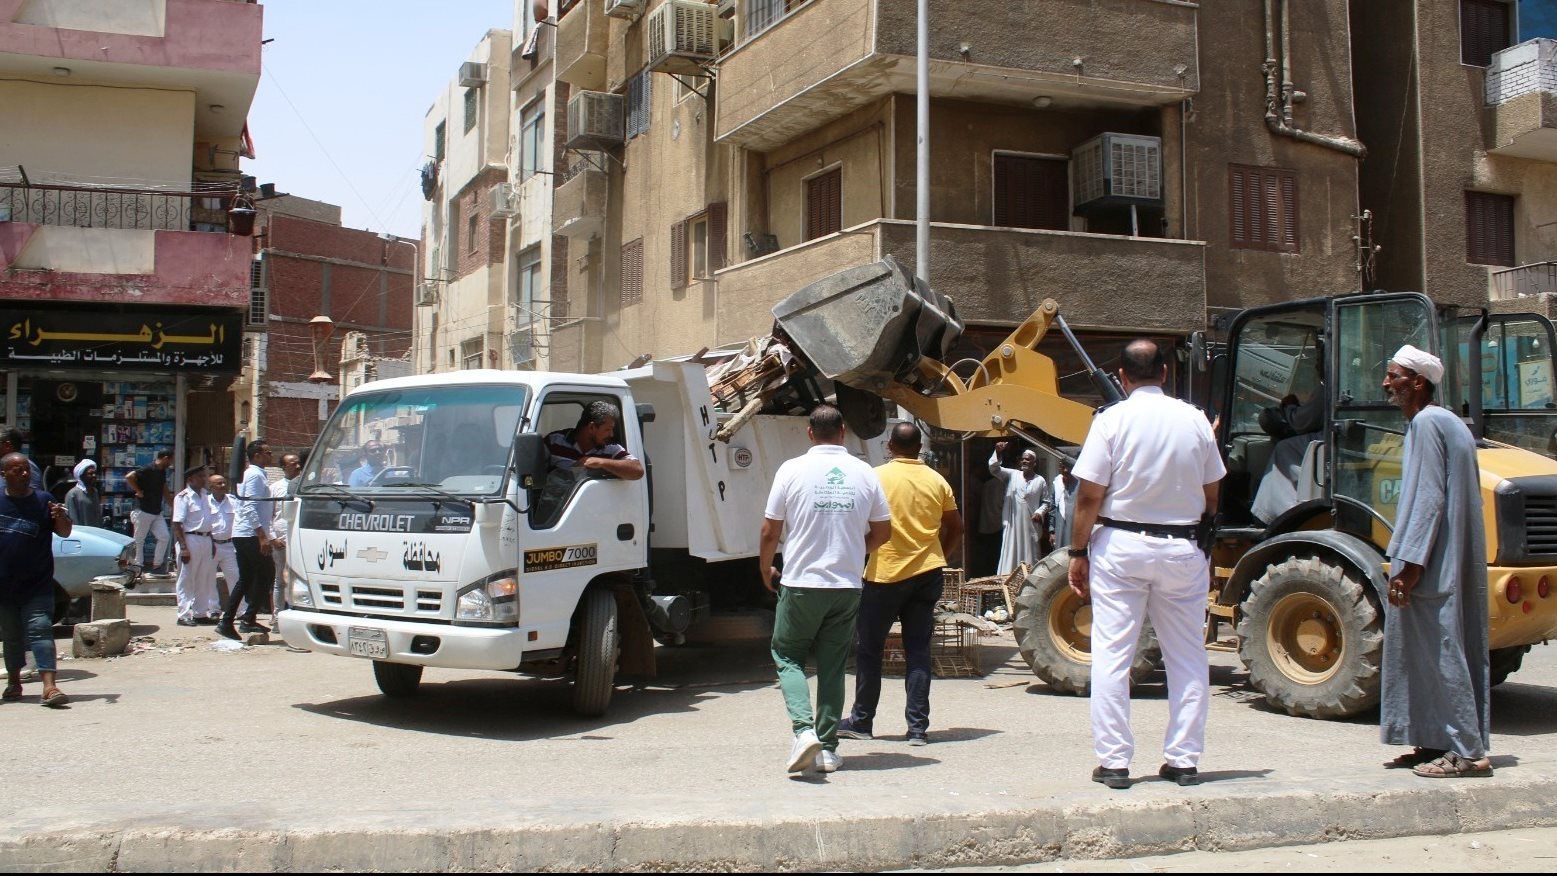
[454, 439]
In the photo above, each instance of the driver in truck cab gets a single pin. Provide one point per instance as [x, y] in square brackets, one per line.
[372, 464]
[588, 445]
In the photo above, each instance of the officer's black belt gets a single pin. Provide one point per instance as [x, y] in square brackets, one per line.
[1157, 530]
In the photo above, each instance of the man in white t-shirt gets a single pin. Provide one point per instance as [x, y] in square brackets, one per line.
[831, 510]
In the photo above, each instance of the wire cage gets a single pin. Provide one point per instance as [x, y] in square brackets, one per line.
[953, 646]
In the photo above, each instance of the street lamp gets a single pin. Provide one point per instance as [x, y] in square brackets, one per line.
[321, 327]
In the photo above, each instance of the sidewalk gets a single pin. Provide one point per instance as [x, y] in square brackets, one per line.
[266, 759]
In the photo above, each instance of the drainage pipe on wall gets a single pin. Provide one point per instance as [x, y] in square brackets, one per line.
[1279, 92]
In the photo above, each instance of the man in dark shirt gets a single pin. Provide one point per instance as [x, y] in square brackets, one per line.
[151, 491]
[27, 519]
[11, 442]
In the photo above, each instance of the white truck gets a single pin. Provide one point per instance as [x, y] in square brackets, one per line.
[466, 549]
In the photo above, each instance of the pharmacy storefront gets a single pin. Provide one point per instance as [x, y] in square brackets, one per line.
[108, 383]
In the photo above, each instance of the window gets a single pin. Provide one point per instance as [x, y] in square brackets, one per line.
[472, 108]
[258, 309]
[697, 240]
[528, 283]
[632, 272]
[470, 353]
[717, 218]
[470, 230]
[1032, 192]
[1485, 29]
[824, 204]
[1489, 229]
[532, 124]
[1263, 208]
[438, 140]
[763, 14]
[640, 97]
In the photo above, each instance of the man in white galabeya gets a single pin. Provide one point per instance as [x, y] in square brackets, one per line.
[831, 512]
[1149, 474]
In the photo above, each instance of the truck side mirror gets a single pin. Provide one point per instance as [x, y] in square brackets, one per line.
[645, 413]
[1197, 351]
[530, 458]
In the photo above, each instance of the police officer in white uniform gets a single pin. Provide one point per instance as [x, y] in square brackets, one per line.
[223, 508]
[196, 585]
[1149, 472]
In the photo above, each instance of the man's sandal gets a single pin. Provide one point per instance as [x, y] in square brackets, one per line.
[1415, 757]
[1452, 766]
[13, 692]
[54, 698]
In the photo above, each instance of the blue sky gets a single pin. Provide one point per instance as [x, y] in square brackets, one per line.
[360, 75]
[1537, 18]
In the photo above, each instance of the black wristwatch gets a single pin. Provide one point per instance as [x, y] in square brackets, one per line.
[1076, 553]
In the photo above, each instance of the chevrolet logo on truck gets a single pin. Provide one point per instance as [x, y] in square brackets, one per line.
[402, 516]
[357, 522]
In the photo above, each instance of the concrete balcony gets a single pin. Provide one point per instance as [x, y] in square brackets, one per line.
[578, 206]
[800, 69]
[993, 274]
[1521, 89]
[583, 41]
[1529, 283]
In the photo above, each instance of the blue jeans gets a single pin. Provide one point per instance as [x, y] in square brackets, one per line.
[28, 624]
[911, 601]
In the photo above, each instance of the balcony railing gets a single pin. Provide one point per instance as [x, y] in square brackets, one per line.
[103, 207]
[1518, 70]
[759, 15]
[1525, 281]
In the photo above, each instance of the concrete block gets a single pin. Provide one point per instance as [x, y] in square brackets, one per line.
[256, 639]
[106, 638]
[107, 599]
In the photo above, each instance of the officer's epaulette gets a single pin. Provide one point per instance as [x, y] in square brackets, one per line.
[1105, 406]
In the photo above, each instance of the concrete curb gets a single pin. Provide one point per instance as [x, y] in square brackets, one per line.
[769, 835]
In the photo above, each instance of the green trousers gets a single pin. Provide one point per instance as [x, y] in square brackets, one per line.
[820, 619]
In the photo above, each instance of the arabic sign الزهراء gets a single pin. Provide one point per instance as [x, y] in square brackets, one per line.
[207, 342]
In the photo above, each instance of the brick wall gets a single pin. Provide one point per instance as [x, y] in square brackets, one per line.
[491, 233]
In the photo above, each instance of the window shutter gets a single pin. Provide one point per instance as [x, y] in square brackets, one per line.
[1289, 213]
[1489, 229]
[1262, 207]
[1485, 27]
[632, 272]
[1238, 188]
[717, 217]
[678, 255]
[824, 204]
[1032, 192]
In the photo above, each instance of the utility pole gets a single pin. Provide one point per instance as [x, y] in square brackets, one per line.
[922, 176]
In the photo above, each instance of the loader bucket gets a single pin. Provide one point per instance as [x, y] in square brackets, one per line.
[869, 326]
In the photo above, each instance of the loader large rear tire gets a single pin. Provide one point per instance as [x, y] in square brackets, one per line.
[1054, 631]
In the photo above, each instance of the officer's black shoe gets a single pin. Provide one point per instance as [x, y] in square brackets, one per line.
[187, 622]
[1117, 779]
[1182, 776]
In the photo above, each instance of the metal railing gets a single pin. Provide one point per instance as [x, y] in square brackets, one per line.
[759, 15]
[1519, 70]
[104, 207]
[1525, 281]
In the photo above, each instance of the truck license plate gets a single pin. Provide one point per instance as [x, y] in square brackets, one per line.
[367, 643]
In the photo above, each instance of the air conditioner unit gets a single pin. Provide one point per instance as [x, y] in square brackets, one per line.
[473, 74]
[624, 8]
[504, 201]
[684, 35]
[426, 295]
[595, 120]
[1117, 170]
[522, 343]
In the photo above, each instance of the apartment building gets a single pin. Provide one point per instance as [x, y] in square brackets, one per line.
[1460, 99]
[461, 316]
[124, 260]
[308, 264]
[1092, 151]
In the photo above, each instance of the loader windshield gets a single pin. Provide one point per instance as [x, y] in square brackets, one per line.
[454, 439]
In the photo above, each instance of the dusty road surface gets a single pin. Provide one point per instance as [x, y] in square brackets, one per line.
[271, 759]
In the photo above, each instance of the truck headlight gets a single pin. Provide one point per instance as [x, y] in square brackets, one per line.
[494, 599]
[297, 588]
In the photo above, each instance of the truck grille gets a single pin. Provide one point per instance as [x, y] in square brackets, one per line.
[331, 594]
[367, 598]
[1541, 524]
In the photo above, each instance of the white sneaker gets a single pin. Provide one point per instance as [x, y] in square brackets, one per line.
[828, 762]
[805, 750]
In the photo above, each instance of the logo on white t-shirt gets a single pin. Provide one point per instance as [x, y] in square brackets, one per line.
[835, 496]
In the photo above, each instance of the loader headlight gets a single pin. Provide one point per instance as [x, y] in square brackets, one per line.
[492, 600]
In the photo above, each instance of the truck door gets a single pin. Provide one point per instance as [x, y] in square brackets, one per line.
[1518, 404]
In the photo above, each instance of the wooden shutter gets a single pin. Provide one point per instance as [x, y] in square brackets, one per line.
[1489, 229]
[718, 216]
[632, 272]
[678, 255]
[1485, 27]
[1032, 192]
[824, 204]
[1262, 208]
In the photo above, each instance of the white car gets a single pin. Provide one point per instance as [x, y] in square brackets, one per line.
[88, 553]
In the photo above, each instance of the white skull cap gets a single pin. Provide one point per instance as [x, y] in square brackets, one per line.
[1420, 361]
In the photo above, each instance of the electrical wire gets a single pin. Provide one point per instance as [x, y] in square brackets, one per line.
[328, 157]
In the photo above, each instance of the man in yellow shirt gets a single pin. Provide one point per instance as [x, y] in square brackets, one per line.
[902, 583]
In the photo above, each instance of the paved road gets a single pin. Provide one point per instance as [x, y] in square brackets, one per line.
[295, 740]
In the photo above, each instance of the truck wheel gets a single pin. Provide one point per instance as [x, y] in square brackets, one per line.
[599, 644]
[1054, 631]
[1506, 662]
[397, 680]
[1312, 640]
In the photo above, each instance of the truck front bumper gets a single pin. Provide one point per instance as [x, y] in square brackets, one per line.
[422, 644]
[1530, 619]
